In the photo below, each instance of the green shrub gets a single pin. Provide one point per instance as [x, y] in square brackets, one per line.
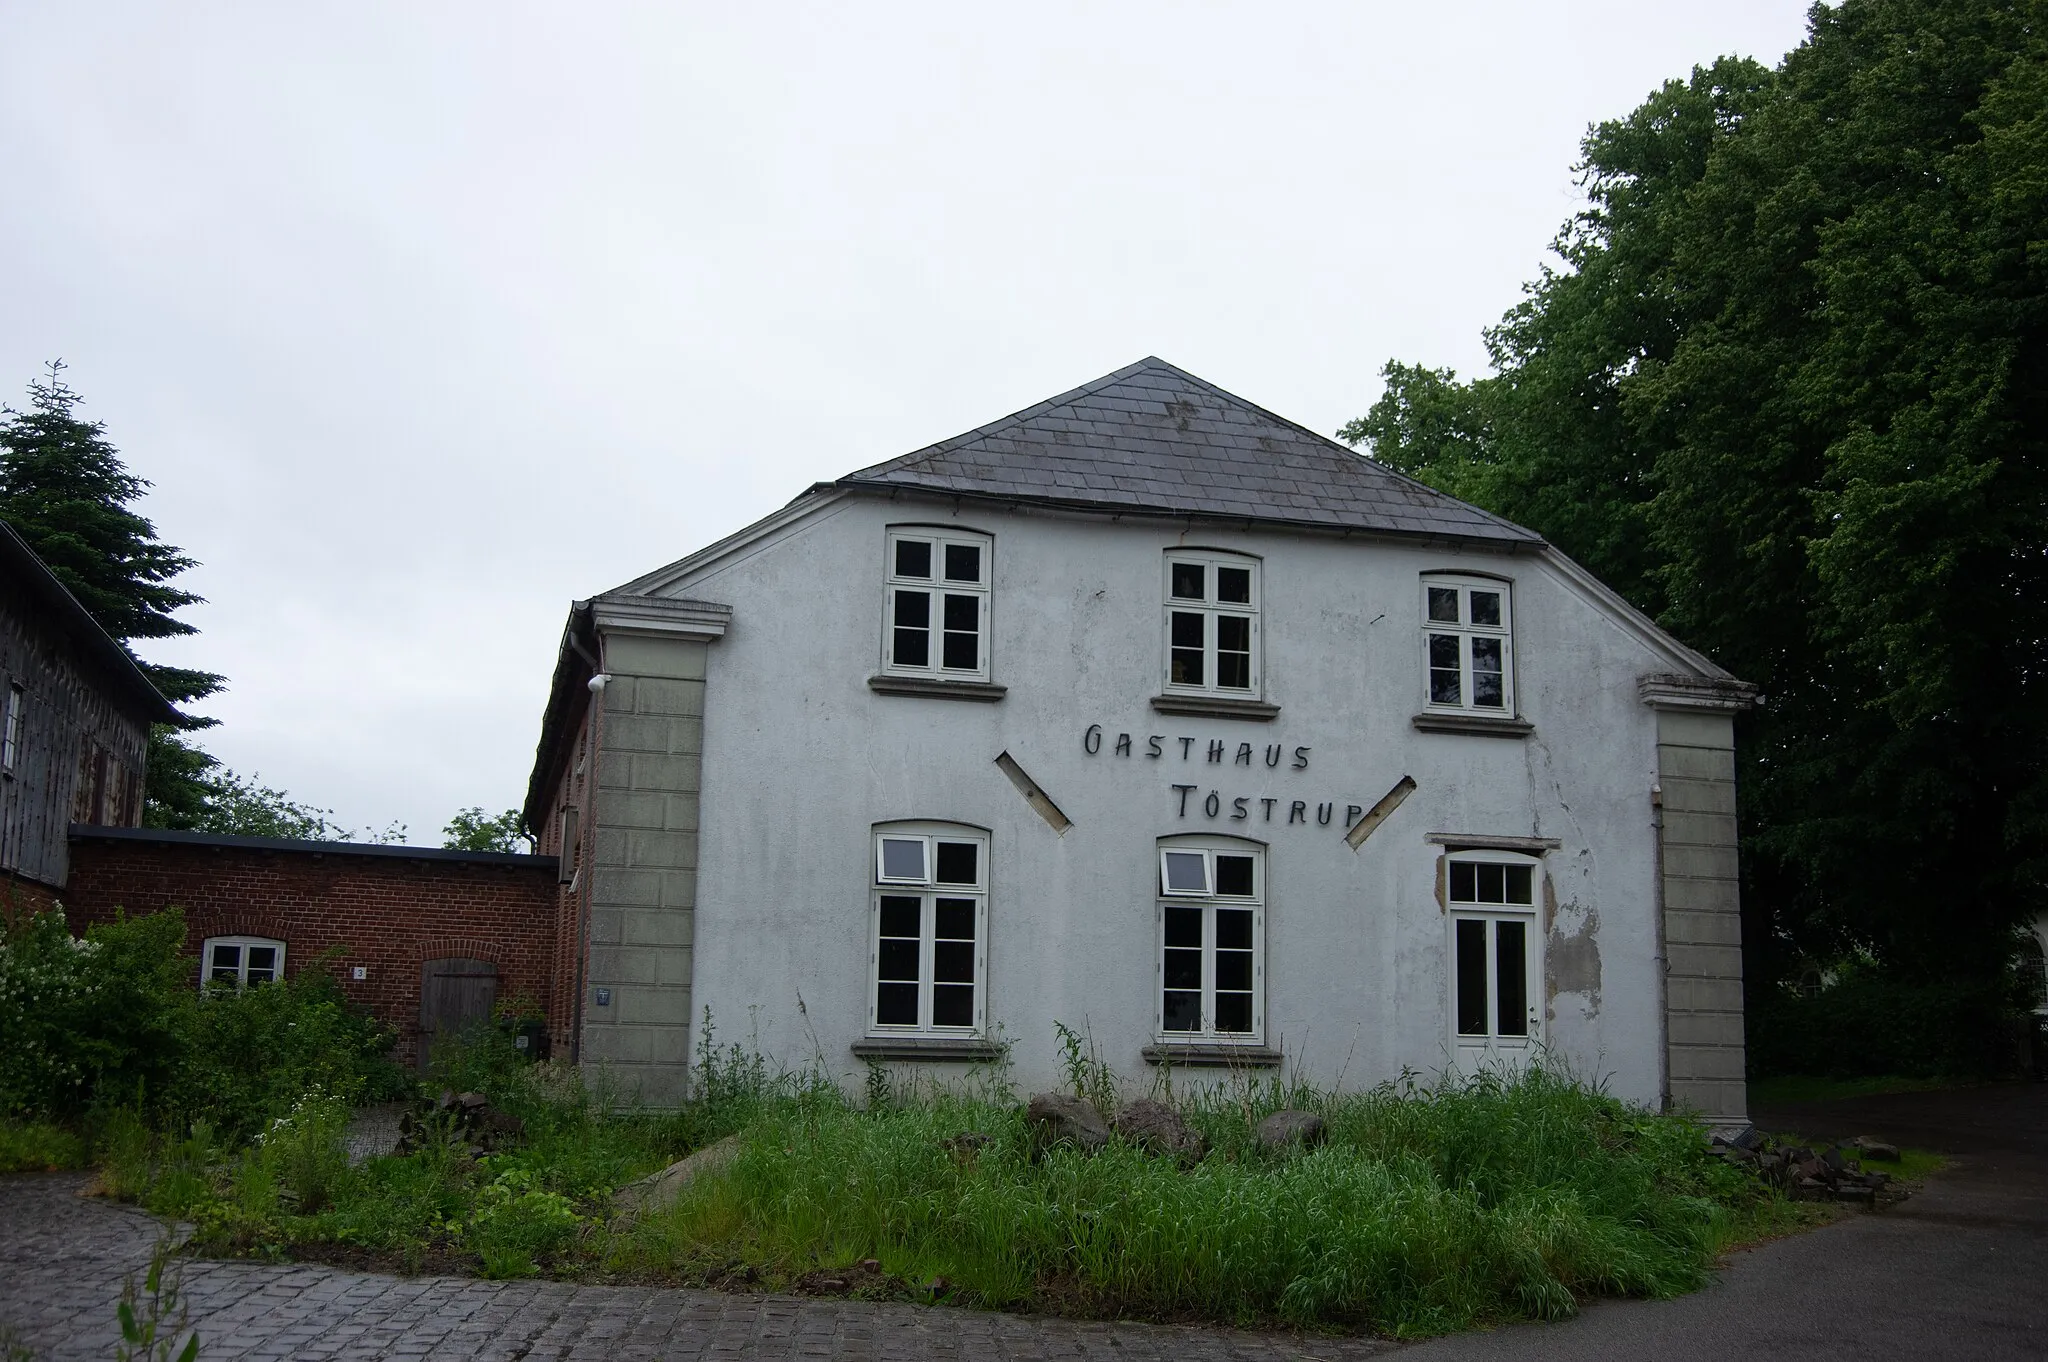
[1870, 1022]
[35, 1146]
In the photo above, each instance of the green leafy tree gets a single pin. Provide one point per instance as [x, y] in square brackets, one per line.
[1787, 390]
[472, 829]
[66, 492]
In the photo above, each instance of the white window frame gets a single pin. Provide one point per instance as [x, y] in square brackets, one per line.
[927, 890]
[208, 969]
[1466, 633]
[1211, 609]
[10, 725]
[936, 588]
[1482, 908]
[1208, 904]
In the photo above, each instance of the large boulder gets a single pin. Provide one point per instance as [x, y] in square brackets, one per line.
[1055, 1118]
[1158, 1129]
[1285, 1129]
[659, 1190]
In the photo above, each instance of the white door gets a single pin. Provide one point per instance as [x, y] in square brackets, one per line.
[1496, 1023]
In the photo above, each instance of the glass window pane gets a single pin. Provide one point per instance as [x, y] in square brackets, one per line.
[913, 609]
[896, 1004]
[956, 865]
[1185, 874]
[913, 558]
[1234, 929]
[1464, 882]
[954, 920]
[1486, 608]
[1234, 875]
[1190, 582]
[262, 964]
[1471, 977]
[1493, 882]
[1234, 632]
[1443, 604]
[963, 562]
[1234, 585]
[1512, 977]
[902, 859]
[1487, 688]
[1187, 666]
[953, 962]
[1183, 1010]
[1446, 660]
[953, 1005]
[897, 959]
[1234, 671]
[1183, 969]
[1187, 629]
[1184, 927]
[963, 612]
[1234, 970]
[1521, 884]
[1234, 1012]
[899, 916]
[1234, 652]
[227, 957]
[962, 652]
[913, 648]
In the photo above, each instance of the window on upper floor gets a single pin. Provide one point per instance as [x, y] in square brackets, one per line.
[935, 617]
[928, 933]
[1212, 623]
[1468, 644]
[10, 725]
[242, 960]
[1212, 978]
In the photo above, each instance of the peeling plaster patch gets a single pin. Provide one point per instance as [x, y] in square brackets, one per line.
[1571, 957]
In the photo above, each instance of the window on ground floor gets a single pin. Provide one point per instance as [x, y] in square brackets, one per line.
[928, 962]
[242, 960]
[1494, 960]
[1211, 962]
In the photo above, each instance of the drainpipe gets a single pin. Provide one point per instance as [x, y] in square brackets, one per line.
[1663, 964]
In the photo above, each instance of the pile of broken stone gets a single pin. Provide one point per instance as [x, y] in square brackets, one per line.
[464, 1120]
[1825, 1173]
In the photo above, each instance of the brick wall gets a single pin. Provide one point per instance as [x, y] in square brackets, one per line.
[376, 907]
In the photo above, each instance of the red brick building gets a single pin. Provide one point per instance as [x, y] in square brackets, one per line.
[422, 937]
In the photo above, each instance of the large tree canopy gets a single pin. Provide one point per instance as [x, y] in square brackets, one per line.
[1788, 391]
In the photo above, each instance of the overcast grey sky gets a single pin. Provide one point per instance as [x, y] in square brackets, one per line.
[426, 319]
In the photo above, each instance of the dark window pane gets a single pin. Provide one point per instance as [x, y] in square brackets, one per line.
[1234, 632]
[903, 859]
[1234, 929]
[956, 864]
[1234, 970]
[1234, 875]
[1234, 585]
[1444, 688]
[1185, 874]
[898, 960]
[1520, 884]
[1493, 882]
[1183, 1011]
[896, 1004]
[899, 916]
[1487, 689]
[227, 972]
[1487, 692]
[913, 609]
[963, 651]
[953, 1005]
[963, 612]
[1443, 604]
[1511, 972]
[1471, 978]
[1486, 608]
[913, 558]
[1234, 671]
[1464, 882]
[1234, 1012]
[1184, 927]
[1187, 666]
[913, 648]
[1234, 652]
[1190, 582]
[1183, 969]
[954, 920]
[953, 962]
[262, 964]
[227, 957]
[963, 562]
[1187, 629]
[1443, 651]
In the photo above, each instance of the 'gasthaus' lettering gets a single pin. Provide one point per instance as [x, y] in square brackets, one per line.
[1214, 804]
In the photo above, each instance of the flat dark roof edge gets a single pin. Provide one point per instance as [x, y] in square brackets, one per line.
[94, 832]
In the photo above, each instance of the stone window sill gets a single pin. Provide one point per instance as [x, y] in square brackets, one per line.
[1483, 725]
[963, 1050]
[1213, 1056]
[1216, 707]
[934, 689]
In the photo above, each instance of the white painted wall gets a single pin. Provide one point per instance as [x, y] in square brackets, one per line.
[801, 758]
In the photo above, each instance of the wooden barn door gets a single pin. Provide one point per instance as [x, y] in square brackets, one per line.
[454, 993]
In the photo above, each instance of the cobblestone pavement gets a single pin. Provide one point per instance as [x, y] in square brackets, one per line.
[63, 1258]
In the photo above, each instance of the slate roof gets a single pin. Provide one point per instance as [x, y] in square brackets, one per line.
[1151, 437]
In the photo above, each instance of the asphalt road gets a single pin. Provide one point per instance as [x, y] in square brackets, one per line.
[1959, 1271]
